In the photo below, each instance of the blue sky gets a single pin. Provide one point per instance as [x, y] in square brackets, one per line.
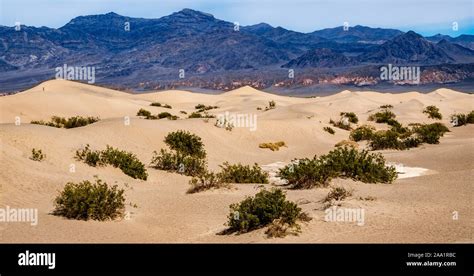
[427, 17]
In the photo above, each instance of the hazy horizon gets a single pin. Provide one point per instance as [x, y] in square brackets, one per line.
[303, 16]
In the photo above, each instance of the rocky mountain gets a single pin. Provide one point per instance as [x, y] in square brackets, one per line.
[149, 53]
[408, 48]
[320, 57]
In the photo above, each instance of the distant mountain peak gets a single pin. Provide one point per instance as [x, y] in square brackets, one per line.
[191, 12]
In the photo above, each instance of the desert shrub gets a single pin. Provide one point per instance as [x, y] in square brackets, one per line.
[91, 158]
[239, 173]
[386, 139]
[272, 146]
[411, 142]
[195, 115]
[71, 122]
[178, 162]
[430, 133]
[183, 112]
[205, 181]
[342, 124]
[202, 108]
[86, 200]
[143, 112]
[329, 130]
[186, 143]
[337, 194]
[382, 116]
[271, 104]
[164, 115]
[364, 132]
[386, 106]
[167, 106]
[127, 162]
[347, 143]
[155, 104]
[37, 155]
[259, 211]
[433, 112]
[462, 119]
[188, 156]
[351, 116]
[470, 117]
[341, 162]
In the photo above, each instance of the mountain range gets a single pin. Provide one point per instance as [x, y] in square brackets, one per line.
[216, 54]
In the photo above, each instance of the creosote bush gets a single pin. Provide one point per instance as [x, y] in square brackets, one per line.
[206, 181]
[239, 173]
[386, 106]
[337, 194]
[187, 155]
[382, 116]
[71, 122]
[200, 115]
[361, 133]
[86, 200]
[263, 209]
[272, 146]
[127, 162]
[37, 155]
[351, 116]
[433, 112]
[202, 108]
[462, 119]
[329, 130]
[342, 124]
[343, 162]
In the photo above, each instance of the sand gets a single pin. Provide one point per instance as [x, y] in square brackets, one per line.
[418, 208]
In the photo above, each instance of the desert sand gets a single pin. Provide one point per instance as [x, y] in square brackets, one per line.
[412, 209]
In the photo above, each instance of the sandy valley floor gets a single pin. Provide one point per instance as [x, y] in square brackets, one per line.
[416, 209]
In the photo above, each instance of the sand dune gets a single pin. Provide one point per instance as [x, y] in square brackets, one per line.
[414, 209]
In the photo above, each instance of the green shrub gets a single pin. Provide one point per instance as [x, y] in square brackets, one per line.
[167, 106]
[87, 200]
[188, 156]
[259, 211]
[462, 119]
[239, 173]
[155, 104]
[37, 155]
[205, 181]
[341, 162]
[342, 124]
[430, 133]
[364, 132]
[144, 113]
[183, 112]
[127, 162]
[186, 143]
[382, 116]
[329, 130]
[71, 122]
[177, 162]
[337, 194]
[386, 139]
[351, 116]
[386, 106]
[164, 115]
[202, 108]
[433, 112]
